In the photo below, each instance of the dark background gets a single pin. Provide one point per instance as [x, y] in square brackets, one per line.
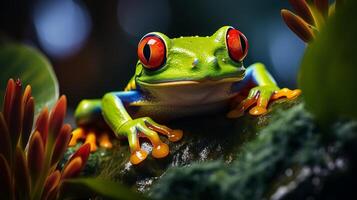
[92, 43]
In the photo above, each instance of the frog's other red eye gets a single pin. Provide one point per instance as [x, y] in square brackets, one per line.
[237, 45]
[152, 52]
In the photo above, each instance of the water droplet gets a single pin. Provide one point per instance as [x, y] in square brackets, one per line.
[316, 169]
[340, 163]
[288, 172]
[195, 62]
[331, 165]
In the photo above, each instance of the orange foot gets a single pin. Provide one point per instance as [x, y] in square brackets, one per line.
[91, 137]
[147, 128]
[261, 103]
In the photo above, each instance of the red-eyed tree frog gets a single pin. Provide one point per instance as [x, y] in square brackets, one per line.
[176, 78]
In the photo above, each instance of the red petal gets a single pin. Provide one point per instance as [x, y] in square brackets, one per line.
[15, 123]
[297, 25]
[77, 162]
[42, 124]
[51, 184]
[27, 94]
[5, 142]
[61, 143]
[8, 99]
[82, 152]
[5, 178]
[36, 155]
[303, 10]
[22, 176]
[28, 121]
[57, 117]
[73, 168]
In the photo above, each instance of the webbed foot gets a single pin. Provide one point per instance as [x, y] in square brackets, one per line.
[92, 137]
[261, 96]
[146, 127]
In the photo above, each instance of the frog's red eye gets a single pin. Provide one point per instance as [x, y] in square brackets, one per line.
[152, 51]
[237, 45]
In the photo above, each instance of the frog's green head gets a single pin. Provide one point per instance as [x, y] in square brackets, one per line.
[191, 60]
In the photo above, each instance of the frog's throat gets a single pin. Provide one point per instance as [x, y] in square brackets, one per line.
[191, 82]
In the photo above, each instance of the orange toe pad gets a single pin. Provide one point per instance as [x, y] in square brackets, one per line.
[285, 92]
[257, 110]
[138, 156]
[160, 151]
[175, 135]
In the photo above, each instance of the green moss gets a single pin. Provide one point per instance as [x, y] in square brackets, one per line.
[93, 165]
[285, 151]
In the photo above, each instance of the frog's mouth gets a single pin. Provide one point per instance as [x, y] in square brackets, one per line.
[204, 81]
[191, 92]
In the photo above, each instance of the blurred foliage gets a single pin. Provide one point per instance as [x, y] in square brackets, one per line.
[329, 67]
[281, 163]
[26, 63]
[85, 187]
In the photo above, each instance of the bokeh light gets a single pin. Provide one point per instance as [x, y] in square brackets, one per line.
[62, 26]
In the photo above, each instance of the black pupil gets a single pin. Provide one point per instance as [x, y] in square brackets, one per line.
[242, 42]
[147, 52]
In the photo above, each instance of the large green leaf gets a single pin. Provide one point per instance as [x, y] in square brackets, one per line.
[89, 187]
[329, 67]
[26, 63]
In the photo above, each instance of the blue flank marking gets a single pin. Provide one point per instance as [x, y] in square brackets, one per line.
[129, 96]
[248, 78]
[97, 110]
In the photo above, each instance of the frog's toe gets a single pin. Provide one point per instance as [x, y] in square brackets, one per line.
[241, 108]
[138, 156]
[160, 150]
[91, 139]
[173, 135]
[104, 141]
[261, 107]
[77, 134]
[258, 110]
[285, 92]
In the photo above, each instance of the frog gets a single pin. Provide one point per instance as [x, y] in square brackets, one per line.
[176, 78]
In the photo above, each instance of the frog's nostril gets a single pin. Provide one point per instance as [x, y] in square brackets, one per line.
[213, 60]
[195, 62]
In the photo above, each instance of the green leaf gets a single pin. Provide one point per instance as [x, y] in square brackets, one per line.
[87, 187]
[32, 67]
[329, 67]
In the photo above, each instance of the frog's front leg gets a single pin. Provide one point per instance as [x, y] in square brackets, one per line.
[122, 124]
[264, 91]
